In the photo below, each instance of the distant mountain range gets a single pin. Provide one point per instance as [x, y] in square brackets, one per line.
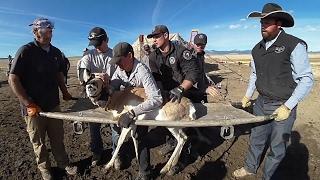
[229, 52]
[239, 52]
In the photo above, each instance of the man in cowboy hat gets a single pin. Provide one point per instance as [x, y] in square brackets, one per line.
[282, 75]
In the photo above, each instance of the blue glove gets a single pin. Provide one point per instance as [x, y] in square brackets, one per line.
[176, 94]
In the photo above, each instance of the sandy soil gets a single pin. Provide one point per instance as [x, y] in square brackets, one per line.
[216, 161]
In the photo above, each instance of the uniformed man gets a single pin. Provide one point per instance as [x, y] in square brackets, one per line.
[173, 66]
[176, 71]
[205, 85]
[133, 73]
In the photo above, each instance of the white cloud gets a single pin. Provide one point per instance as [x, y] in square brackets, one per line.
[243, 19]
[234, 26]
[311, 28]
[4, 10]
[216, 27]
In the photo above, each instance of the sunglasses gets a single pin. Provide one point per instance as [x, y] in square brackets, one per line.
[95, 36]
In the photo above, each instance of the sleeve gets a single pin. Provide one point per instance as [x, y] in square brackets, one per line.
[61, 61]
[189, 66]
[85, 63]
[252, 80]
[19, 62]
[302, 75]
[154, 98]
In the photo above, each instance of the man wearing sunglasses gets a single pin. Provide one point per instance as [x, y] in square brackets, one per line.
[96, 62]
[35, 78]
[205, 84]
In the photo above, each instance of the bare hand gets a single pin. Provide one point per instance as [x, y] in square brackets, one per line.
[211, 90]
[105, 78]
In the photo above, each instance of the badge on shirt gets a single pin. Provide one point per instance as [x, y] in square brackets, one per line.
[279, 49]
[187, 54]
[172, 60]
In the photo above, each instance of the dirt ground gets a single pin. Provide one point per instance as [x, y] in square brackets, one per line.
[216, 161]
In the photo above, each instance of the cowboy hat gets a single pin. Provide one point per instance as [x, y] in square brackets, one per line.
[273, 10]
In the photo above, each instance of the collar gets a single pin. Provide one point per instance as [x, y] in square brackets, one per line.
[38, 44]
[172, 48]
[267, 44]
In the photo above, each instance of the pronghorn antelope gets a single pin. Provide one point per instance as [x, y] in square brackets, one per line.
[122, 101]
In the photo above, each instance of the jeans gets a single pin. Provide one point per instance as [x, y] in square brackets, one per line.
[278, 132]
[96, 144]
[143, 150]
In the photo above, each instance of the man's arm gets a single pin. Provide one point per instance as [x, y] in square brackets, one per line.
[84, 68]
[116, 80]
[154, 98]
[66, 95]
[18, 90]
[190, 69]
[186, 84]
[302, 75]
[252, 81]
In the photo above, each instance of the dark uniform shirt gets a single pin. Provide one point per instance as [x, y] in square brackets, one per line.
[176, 66]
[203, 82]
[38, 70]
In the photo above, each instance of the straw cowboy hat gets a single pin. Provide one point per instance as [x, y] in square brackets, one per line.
[273, 10]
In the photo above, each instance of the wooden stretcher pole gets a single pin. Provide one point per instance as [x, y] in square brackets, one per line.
[195, 123]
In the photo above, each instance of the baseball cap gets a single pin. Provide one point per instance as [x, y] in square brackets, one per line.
[121, 49]
[96, 36]
[200, 39]
[42, 22]
[158, 30]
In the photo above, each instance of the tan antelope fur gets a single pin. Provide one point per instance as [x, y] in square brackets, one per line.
[122, 101]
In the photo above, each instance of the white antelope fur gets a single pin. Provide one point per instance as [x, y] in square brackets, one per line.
[123, 101]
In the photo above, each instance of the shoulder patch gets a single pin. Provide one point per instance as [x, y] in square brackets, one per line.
[187, 54]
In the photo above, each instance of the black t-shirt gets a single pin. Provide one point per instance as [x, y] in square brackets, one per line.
[38, 72]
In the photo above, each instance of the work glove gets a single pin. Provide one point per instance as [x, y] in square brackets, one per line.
[245, 102]
[126, 119]
[67, 96]
[282, 113]
[176, 94]
[33, 110]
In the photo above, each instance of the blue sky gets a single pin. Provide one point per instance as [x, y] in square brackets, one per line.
[224, 21]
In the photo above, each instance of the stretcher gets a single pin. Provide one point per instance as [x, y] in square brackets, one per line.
[225, 115]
